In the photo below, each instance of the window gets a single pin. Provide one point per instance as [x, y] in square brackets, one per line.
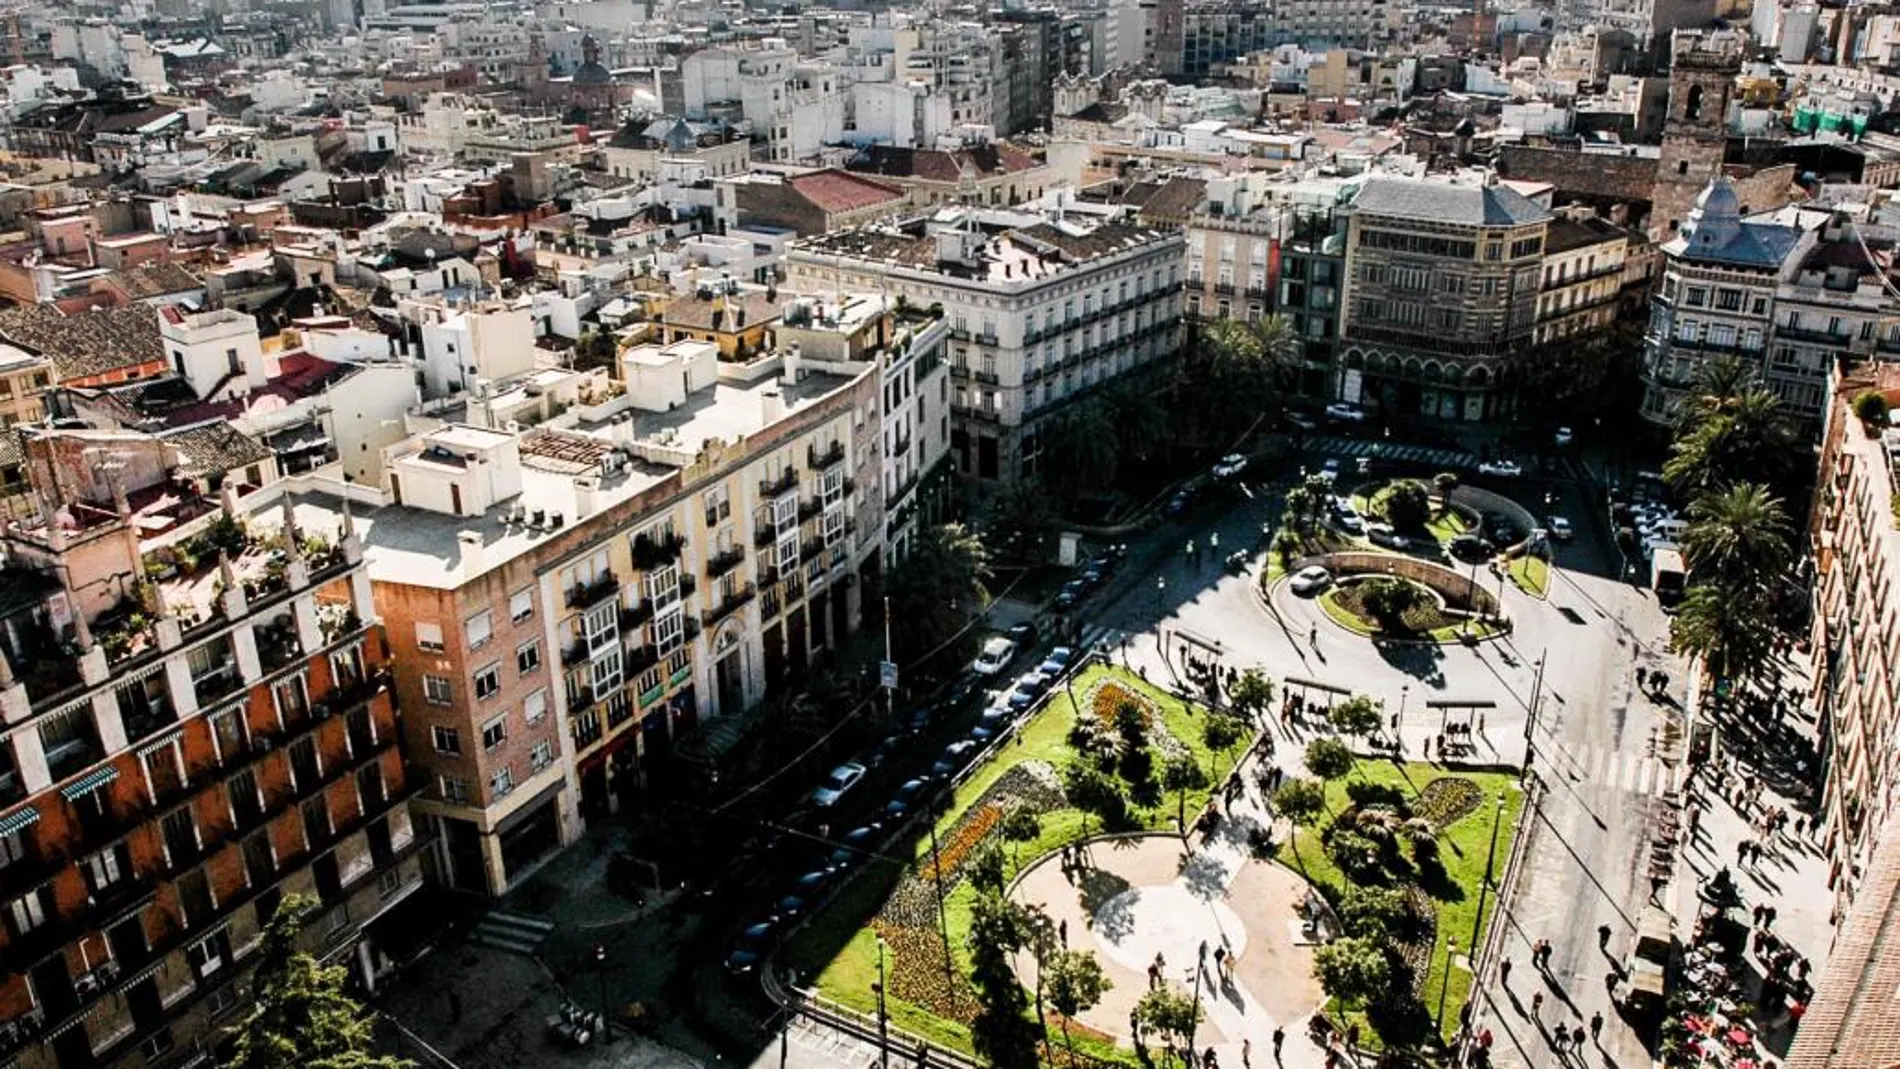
[601, 627]
[535, 707]
[28, 911]
[480, 630]
[206, 956]
[12, 848]
[668, 631]
[102, 870]
[528, 657]
[663, 586]
[495, 732]
[606, 674]
[501, 783]
[542, 755]
[521, 604]
[436, 690]
[447, 740]
[429, 637]
[1728, 300]
[1696, 296]
[454, 789]
[488, 681]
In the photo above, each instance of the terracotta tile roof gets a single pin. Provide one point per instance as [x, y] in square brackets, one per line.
[88, 343]
[696, 314]
[215, 448]
[933, 165]
[840, 191]
[155, 279]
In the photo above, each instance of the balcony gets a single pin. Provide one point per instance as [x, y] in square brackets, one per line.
[901, 447]
[1813, 337]
[786, 481]
[721, 563]
[632, 618]
[277, 645]
[1225, 289]
[819, 460]
[987, 337]
[688, 586]
[587, 595]
[650, 552]
[728, 605]
[639, 659]
[575, 653]
[765, 535]
[989, 377]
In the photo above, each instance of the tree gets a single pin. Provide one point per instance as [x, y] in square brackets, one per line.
[1329, 759]
[1075, 982]
[1018, 516]
[1221, 732]
[1093, 791]
[1445, 482]
[1170, 1013]
[1353, 969]
[1021, 825]
[1131, 723]
[941, 583]
[1180, 773]
[1374, 913]
[1000, 1032]
[1727, 628]
[1300, 801]
[1359, 715]
[300, 1017]
[1407, 505]
[1388, 599]
[1251, 694]
[986, 868]
[1082, 446]
[1871, 407]
[1738, 536]
[1745, 436]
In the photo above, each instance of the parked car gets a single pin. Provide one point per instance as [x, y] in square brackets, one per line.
[1057, 662]
[1503, 469]
[992, 723]
[803, 895]
[1023, 634]
[1310, 580]
[1028, 689]
[855, 844]
[751, 948]
[1179, 502]
[1302, 421]
[954, 757]
[1563, 437]
[1384, 534]
[837, 785]
[997, 652]
[1346, 411]
[1230, 465]
[1072, 592]
[1470, 547]
[910, 793]
[1559, 528]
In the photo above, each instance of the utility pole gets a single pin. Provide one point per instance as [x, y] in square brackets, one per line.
[1530, 721]
[943, 922]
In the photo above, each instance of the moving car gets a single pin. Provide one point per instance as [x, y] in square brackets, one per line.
[855, 844]
[1057, 662]
[908, 795]
[1504, 469]
[1230, 465]
[1302, 421]
[1310, 580]
[954, 757]
[837, 785]
[751, 948]
[1564, 436]
[996, 653]
[1072, 592]
[1559, 528]
[1346, 410]
[1022, 634]
[1179, 502]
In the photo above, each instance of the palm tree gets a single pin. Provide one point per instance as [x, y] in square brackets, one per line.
[1281, 348]
[942, 582]
[1727, 628]
[1083, 448]
[1141, 427]
[1738, 536]
[1740, 436]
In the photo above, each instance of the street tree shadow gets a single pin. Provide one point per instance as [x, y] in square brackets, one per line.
[1205, 876]
[1103, 897]
[1422, 661]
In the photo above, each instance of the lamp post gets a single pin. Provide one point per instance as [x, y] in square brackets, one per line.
[1444, 983]
[1530, 719]
[1161, 590]
[1398, 718]
[1490, 865]
[883, 1041]
[600, 982]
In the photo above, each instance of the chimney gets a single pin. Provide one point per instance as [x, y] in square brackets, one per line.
[771, 407]
[792, 366]
[585, 489]
[470, 543]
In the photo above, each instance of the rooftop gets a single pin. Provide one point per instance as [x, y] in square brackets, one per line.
[1446, 202]
[83, 344]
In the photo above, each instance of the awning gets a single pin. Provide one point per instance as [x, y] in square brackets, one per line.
[19, 820]
[161, 743]
[89, 783]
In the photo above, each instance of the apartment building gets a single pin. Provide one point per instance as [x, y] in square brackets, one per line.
[1585, 259]
[23, 377]
[1040, 314]
[1220, 32]
[565, 601]
[1717, 295]
[197, 723]
[1833, 299]
[1440, 299]
[1854, 1020]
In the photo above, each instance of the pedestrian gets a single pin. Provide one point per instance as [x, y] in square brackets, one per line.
[1480, 723]
[1203, 953]
[1537, 1005]
[1603, 937]
[1768, 917]
[1160, 962]
[1485, 1040]
[1352, 1036]
[1504, 973]
[1800, 825]
[1220, 962]
[1154, 976]
[1428, 747]
[1246, 1054]
[1062, 932]
[1596, 1026]
[1796, 1010]
[1741, 852]
[1641, 674]
[1134, 1028]
[1759, 909]
[1208, 1061]
[1312, 637]
[1279, 1040]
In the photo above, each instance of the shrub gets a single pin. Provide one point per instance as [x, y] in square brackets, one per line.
[1366, 794]
[1357, 856]
[1871, 407]
[1408, 505]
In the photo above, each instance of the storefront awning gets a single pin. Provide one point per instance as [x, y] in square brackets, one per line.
[89, 783]
[19, 820]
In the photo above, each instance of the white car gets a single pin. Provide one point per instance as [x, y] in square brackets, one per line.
[1310, 580]
[996, 653]
[1507, 469]
[1559, 528]
[1564, 436]
[1383, 534]
[837, 785]
[1347, 411]
[1302, 421]
[1230, 465]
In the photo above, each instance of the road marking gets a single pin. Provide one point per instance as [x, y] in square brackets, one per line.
[1633, 772]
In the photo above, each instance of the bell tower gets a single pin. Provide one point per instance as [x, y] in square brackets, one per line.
[1703, 67]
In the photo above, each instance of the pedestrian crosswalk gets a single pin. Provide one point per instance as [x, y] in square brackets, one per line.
[1435, 457]
[1635, 772]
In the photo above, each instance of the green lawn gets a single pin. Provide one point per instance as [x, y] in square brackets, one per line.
[1532, 574]
[847, 972]
[1462, 848]
[1443, 525]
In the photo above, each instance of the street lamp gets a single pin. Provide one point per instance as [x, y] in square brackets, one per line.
[1490, 864]
[1405, 691]
[883, 1042]
[1444, 983]
[600, 982]
[1161, 590]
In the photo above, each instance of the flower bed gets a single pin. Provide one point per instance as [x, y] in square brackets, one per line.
[1417, 952]
[1447, 800]
[1108, 696]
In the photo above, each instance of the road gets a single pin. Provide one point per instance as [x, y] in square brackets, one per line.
[1596, 740]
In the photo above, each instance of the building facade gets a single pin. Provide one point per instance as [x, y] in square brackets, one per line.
[1039, 315]
[181, 755]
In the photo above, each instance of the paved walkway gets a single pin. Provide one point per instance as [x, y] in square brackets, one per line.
[1135, 899]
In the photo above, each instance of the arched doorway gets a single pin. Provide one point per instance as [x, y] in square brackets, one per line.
[728, 671]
